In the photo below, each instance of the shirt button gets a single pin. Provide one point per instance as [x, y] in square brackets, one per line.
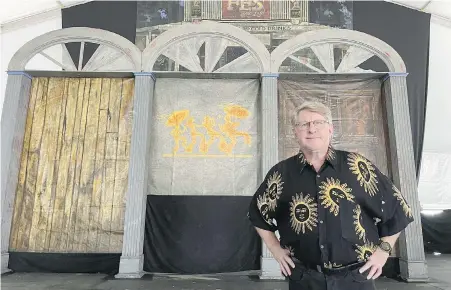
[321, 222]
[318, 176]
[383, 202]
[322, 247]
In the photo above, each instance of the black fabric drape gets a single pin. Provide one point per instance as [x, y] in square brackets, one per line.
[64, 262]
[437, 232]
[407, 31]
[115, 16]
[199, 234]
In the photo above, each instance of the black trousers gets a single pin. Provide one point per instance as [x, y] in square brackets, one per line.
[308, 279]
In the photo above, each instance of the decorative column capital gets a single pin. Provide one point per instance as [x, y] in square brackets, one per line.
[394, 74]
[19, 73]
[144, 74]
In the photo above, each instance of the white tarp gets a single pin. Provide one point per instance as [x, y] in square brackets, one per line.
[206, 139]
[434, 188]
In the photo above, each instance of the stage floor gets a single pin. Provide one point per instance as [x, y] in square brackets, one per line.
[439, 272]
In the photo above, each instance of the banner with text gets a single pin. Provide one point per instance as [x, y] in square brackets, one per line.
[245, 9]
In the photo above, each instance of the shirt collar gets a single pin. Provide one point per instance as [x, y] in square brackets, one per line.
[331, 157]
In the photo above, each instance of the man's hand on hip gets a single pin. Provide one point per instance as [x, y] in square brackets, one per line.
[375, 264]
[282, 256]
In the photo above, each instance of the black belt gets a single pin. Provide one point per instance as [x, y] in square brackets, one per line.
[335, 270]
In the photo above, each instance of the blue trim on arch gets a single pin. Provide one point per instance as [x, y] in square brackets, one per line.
[19, 73]
[270, 75]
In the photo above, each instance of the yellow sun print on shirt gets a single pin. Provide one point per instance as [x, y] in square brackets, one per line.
[359, 229]
[405, 207]
[263, 207]
[303, 212]
[331, 191]
[365, 251]
[274, 189]
[331, 266]
[364, 170]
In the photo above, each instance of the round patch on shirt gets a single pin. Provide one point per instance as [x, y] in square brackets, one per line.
[405, 207]
[331, 191]
[365, 251]
[263, 207]
[303, 212]
[274, 189]
[359, 229]
[364, 170]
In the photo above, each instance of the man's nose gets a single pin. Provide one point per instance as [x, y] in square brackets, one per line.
[311, 127]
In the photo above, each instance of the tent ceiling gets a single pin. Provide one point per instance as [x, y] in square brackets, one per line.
[12, 10]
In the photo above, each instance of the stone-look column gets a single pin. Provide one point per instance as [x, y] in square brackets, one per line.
[14, 116]
[270, 140]
[412, 259]
[131, 263]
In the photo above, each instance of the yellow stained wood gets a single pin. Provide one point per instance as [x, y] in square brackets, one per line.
[20, 192]
[105, 95]
[50, 231]
[25, 220]
[88, 164]
[125, 120]
[74, 240]
[93, 229]
[122, 160]
[117, 229]
[99, 181]
[114, 105]
[40, 173]
[62, 191]
[74, 166]
[73, 172]
[48, 154]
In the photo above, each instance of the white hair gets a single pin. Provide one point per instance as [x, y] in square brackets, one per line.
[316, 107]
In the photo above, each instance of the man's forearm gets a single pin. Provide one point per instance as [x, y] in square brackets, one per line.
[391, 239]
[269, 238]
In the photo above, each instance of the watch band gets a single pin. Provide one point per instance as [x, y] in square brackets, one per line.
[385, 246]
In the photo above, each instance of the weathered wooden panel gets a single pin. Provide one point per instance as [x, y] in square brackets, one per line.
[74, 166]
[21, 195]
[58, 240]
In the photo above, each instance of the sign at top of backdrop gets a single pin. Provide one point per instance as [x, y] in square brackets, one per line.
[245, 9]
[204, 137]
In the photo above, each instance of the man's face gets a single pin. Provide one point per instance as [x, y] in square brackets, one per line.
[312, 131]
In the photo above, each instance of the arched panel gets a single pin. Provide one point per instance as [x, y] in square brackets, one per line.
[115, 53]
[225, 48]
[323, 44]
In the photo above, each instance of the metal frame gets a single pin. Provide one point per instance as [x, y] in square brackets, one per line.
[413, 267]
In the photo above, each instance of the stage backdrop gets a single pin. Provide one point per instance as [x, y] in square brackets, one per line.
[406, 30]
[356, 112]
[204, 172]
[69, 207]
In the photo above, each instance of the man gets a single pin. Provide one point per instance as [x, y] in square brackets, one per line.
[337, 215]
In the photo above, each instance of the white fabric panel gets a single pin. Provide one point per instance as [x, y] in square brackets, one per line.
[204, 137]
[434, 186]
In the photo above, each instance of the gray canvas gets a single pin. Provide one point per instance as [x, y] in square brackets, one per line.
[206, 137]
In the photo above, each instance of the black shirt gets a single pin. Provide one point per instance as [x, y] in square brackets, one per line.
[334, 217]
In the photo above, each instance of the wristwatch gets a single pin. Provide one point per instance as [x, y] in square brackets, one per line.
[385, 246]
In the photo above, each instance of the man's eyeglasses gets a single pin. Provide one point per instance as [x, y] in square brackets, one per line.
[318, 124]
